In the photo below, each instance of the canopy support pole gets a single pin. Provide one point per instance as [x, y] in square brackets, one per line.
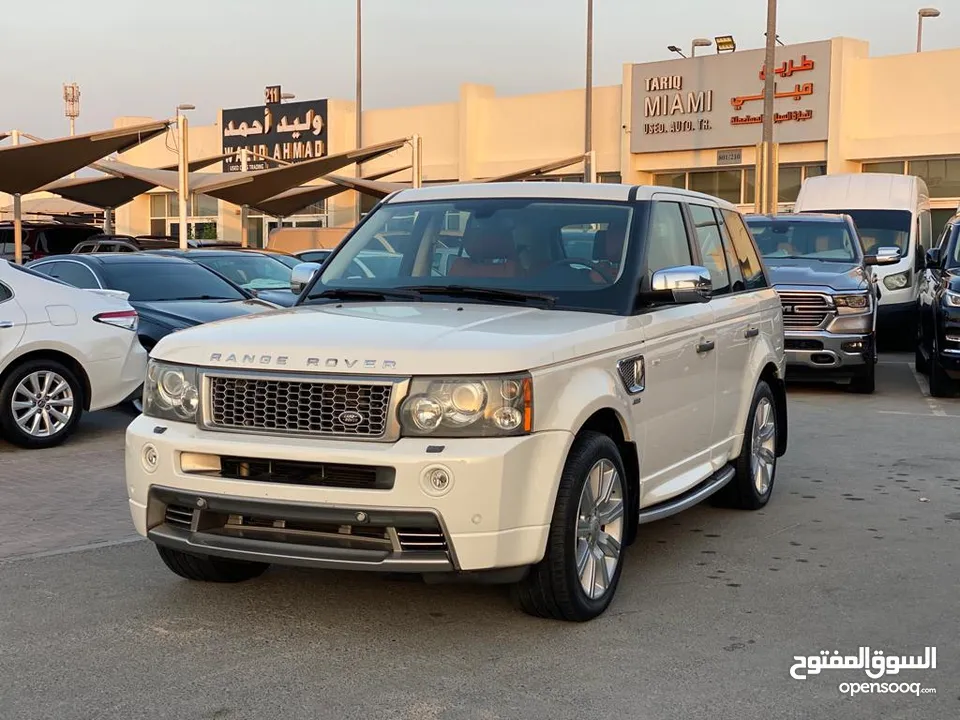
[108, 221]
[17, 213]
[244, 209]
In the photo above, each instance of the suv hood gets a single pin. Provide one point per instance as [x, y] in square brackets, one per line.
[836, 275]
[396, 338]
[179, 314]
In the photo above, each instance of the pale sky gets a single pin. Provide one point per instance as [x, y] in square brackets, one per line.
[133, 57]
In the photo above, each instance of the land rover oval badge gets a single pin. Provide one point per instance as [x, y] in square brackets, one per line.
[350, 418]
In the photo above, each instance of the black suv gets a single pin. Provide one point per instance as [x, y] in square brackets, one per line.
[44, 238]
[938, 306]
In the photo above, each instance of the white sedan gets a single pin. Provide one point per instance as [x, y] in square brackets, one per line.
[62, 351]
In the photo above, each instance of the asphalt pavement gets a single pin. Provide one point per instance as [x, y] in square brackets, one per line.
[857, 548]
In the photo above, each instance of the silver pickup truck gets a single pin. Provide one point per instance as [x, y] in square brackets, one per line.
[828, 292]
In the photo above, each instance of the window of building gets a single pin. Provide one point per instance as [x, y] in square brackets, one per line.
[667, 244]
[202, 210]
[788, 183]
[892, 166]
[610, 177]
[672, 180]
[711, 247]
[941, 175]
[723, 184]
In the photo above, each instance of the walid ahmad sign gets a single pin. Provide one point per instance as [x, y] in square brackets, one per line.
[716, 101]
[292, 132]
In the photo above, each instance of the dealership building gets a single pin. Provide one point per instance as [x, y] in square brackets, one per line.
[687, 122]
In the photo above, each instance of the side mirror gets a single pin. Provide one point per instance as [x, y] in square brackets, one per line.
[302, 275]
[884, 256]
[684, 284]
[933, 258]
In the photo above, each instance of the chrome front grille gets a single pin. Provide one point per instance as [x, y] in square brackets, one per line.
[804, 310]
[351, 407]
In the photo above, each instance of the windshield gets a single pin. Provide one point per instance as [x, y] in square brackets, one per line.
[953, 258]
[251, 272]
[157, 281]
[569, 252]
[804, 239]
[881, 228]
[291, 261]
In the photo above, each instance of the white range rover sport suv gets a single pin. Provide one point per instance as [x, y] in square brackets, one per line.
[497, 382]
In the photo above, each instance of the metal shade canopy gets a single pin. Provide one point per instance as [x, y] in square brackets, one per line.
[382, 189]
[110, 191]
[253, 187]
[54, 206]
[24, 168]
[292, 201]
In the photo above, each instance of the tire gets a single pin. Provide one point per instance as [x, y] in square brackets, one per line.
[65, 387]
[865, 383]
[919, 361]
[941, 385]
[204, 568]
[553, 587]
[743, 492]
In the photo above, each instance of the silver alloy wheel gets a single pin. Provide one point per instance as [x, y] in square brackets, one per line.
[42, 403]
[600, 525]
[763, 456]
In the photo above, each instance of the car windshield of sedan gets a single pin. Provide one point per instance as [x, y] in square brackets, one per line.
[165, 281]
[559, 253]
[249, 271]
[804, 239]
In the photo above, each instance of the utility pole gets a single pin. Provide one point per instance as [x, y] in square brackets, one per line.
[359, 98]
[768, 183]
[71, 107]
[588, 117]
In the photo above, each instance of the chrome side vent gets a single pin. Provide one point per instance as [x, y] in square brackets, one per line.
[633, 374]
[178, 516]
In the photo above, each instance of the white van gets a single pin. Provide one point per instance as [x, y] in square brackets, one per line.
[890, 211]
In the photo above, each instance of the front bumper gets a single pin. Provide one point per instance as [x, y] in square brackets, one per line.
[493, 513]
[822, 352]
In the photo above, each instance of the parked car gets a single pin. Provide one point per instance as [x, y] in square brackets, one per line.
[313, 256]
[514, 419]
[41, 239]
[829, 294]
[128, 243]
[263, 273]
[889, 211]
[938, 304]
[63, 351]
[169, 293]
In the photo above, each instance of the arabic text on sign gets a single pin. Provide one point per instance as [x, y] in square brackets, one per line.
[798, 93]
[789, 67]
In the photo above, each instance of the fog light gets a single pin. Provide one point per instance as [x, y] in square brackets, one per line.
[436, 480]
[853, 346]
[151, 458]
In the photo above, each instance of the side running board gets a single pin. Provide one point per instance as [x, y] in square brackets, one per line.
[692, 497]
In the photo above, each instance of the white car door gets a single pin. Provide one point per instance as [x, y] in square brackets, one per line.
[738, 325]
[13, 322]
[677, 404]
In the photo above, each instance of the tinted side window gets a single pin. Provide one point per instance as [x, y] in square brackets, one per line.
[745, 250]
[74, 274]
[5, 293]
[711, 247]
[733, 265]
[667, 244]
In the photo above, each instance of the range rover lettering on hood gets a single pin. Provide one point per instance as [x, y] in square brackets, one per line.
[283, 360]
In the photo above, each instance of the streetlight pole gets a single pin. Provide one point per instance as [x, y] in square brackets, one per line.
[359, 97]
[921, 14]
[699, 42]
[17, 214]
[769, 165]
[183, 190]
[71, 107]
[588, 117]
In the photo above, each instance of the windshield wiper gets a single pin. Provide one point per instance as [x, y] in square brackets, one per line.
[364, 294]
[483, 293]
[203, 297]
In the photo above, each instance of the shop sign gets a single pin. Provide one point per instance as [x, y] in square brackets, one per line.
[292, 132]
[717, 100]
[730, 157]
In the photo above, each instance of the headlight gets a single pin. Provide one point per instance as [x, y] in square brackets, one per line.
[171, 392]
[898, 281]
[951, 298]
[468, 407]
[852, 304]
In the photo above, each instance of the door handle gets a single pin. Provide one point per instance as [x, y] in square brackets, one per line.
[6, 324]
[706, 346]
[751, 332]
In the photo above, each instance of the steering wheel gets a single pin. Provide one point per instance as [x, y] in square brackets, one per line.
[597, 274]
